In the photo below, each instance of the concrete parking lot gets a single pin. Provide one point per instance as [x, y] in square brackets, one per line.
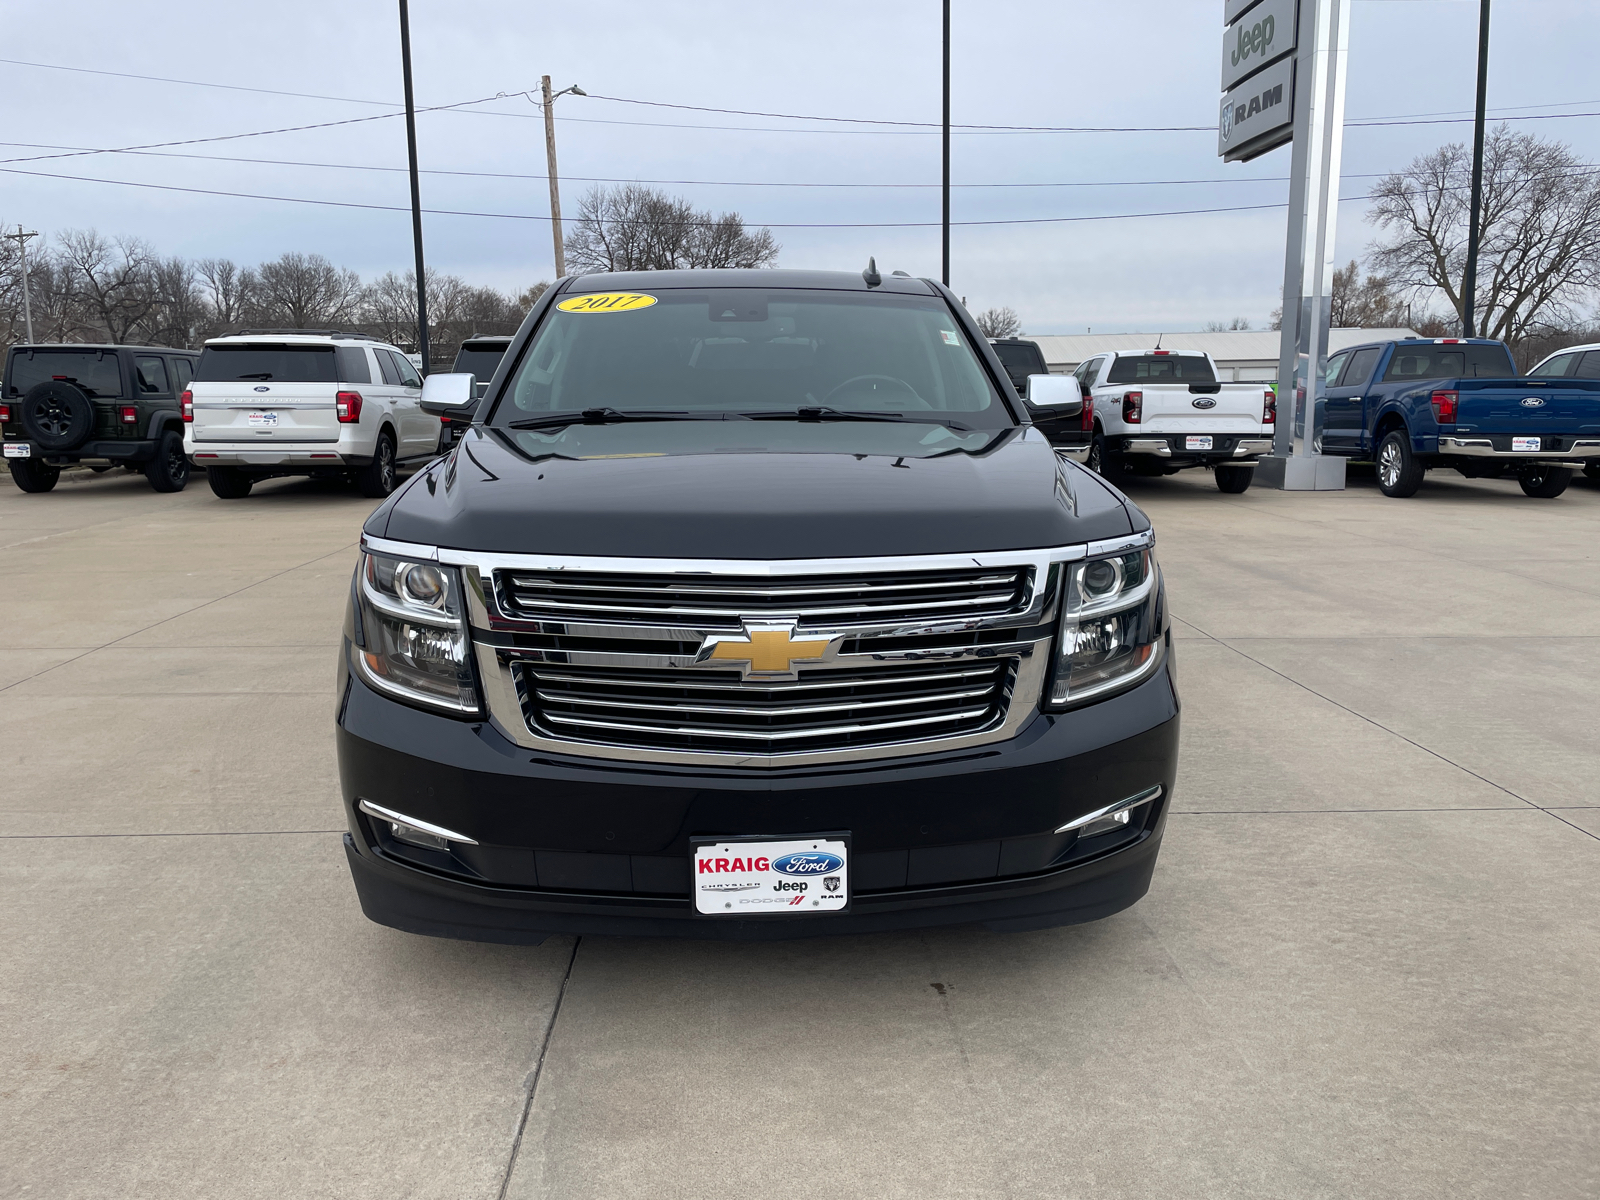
[1369, 964]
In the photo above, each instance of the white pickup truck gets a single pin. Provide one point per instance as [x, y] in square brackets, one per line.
[1158, 411]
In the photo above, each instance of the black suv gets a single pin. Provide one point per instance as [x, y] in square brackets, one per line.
[479, 357]
[1070, 433]
[99, 404]
[750, 605]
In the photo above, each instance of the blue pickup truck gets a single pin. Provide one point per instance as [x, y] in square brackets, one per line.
[1457, 402]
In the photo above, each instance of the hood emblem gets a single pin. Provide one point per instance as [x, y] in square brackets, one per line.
[1533, 402]
[263, 388]
[766, 649]
[1205, 402]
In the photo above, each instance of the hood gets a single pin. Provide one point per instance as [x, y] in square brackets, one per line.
[833, 490]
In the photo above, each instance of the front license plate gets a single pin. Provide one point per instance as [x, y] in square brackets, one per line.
[741, 877]
[19, 450]
[1197, 442]
[264, 418]
[1525, 443]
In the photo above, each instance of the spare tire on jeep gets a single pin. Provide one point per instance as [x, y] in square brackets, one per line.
[56, 416]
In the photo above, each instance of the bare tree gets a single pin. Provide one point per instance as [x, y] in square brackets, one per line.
[179, 310]
[1539, 238]
[999, 322]
[635, 228]
[113, 277]
[304, 291]
[529, 298]
[228, 291]
[1226, 326]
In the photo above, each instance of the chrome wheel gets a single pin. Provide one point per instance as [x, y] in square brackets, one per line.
[386, 464]
[1389, 465]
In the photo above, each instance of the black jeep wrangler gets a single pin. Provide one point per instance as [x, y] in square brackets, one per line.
[97, 404]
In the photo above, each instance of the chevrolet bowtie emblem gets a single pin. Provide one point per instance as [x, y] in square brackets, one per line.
[769, 650]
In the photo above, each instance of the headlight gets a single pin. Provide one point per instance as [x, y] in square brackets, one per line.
[1111, 635]
[413, 633]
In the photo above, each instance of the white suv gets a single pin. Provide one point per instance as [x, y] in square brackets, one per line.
[270, 402]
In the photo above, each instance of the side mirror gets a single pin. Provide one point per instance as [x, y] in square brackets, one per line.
[443, 394]
[1052, 397]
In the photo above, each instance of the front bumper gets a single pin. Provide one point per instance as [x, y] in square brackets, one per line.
[573, 845]
[1578, 451]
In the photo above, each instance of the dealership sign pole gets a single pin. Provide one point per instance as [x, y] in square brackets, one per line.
[1283, 64]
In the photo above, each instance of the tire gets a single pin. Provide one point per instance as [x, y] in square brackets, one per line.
[1399, 472]
[56, 416]
[168, 471]
[377, 479]
[33, 476]
[1233, 478]
[1104, 461]
[1545, 483]
[229, 483]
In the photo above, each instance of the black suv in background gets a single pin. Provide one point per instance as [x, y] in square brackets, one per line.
[1072, 434]
[480, 357]
[100, 404]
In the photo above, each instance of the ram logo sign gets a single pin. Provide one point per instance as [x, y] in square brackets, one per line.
[1262, 104]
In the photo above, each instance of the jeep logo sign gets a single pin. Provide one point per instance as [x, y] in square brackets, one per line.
[1265, 33]
[1261, 104]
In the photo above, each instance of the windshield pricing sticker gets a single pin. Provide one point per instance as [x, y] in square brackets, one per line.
[1518, 443]
[809, 875]
[264, 418]
[949, 336]
[606, 302]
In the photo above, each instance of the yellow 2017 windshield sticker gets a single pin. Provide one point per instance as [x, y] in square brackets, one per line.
[606, 302]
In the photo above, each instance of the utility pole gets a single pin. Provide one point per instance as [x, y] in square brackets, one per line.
[944, 273]
[1469, 284]
[550, 157]
[21, 237]
[416, 193]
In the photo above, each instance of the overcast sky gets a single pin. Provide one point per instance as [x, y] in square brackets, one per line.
[1015, 62]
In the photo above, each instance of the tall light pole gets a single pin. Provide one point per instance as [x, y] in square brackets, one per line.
[416, 193]
[21, 237]
[550, 156]
[1469, 283]
[944, 274]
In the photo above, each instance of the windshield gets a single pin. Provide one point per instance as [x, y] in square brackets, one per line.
[1427, 361]
[95, 371]
[280, 363]
[752, 350]
[1161, 368]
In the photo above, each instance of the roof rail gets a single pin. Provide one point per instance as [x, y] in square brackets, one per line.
[336, 333]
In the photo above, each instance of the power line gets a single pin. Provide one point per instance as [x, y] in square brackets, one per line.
[231, 87]
[449, 212]
[285, 162]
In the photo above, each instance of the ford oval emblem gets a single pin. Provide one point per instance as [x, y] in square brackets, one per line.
[1533, 402]
[1205, 402]
[814, 862]
[263, 389]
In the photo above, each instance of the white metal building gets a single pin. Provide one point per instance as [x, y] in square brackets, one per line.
[1241, 355]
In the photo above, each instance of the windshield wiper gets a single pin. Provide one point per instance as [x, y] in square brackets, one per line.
[610, 416]
[258, 375]
[824, 413]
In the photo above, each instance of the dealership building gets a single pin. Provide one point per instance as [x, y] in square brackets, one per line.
[1241, 355]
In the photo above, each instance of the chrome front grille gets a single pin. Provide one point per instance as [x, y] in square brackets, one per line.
[716, 711]
[723, 602]
[624, 659]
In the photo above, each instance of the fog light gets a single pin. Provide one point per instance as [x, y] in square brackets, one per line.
[1113, 816]
[412, 831]
[1117, 820]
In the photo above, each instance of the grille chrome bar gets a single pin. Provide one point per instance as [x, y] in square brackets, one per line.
[691, 589]
[785, 711]
[786, 735]
[675, 611]
[805, 685]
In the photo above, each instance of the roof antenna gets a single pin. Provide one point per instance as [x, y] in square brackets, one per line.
[1159, 336]
[871, 273]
